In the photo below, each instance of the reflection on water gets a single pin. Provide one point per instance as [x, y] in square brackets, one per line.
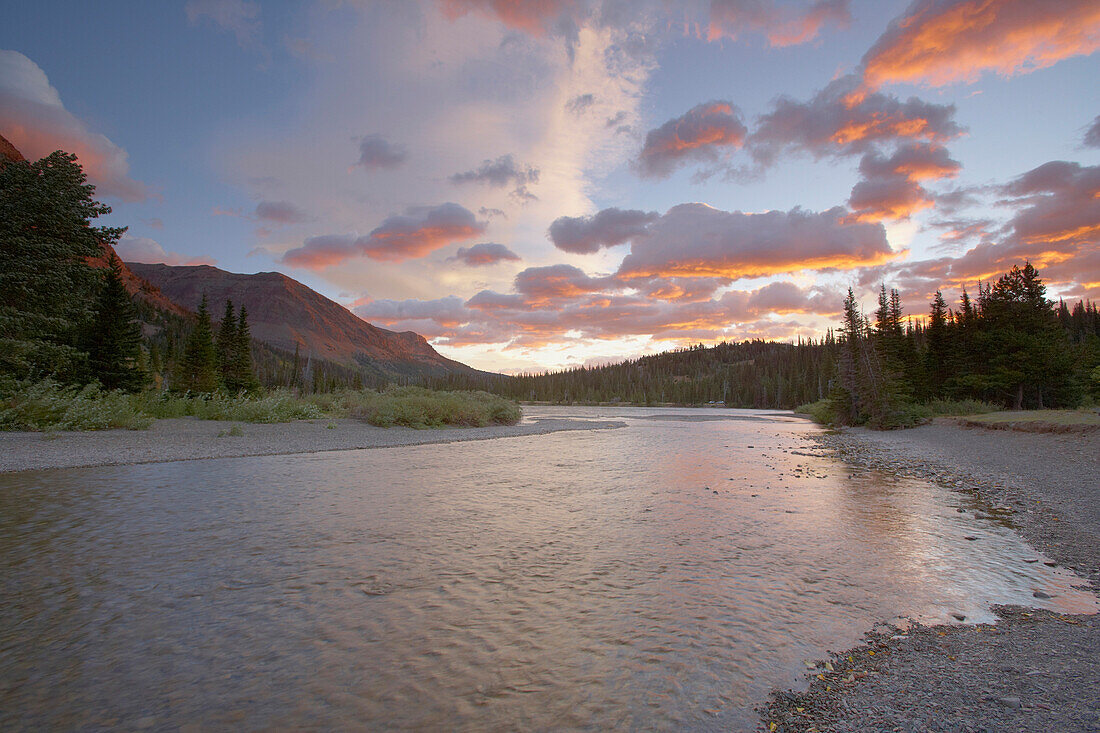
[665, 575]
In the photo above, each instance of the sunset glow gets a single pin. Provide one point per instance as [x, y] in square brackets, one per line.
[535, 185]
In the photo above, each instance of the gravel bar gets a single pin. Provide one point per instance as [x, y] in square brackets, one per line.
[1032, 671]
[181, 439]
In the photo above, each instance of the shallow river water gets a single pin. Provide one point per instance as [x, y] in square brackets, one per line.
[665, 575]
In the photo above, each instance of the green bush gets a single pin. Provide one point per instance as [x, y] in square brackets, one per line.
[821, 411]
[47, 405]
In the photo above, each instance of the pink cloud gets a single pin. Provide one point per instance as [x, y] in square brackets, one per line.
[843, 119]
[607, 228]
[783, 26]
[486, 253]
[145, 250]
[33, 118]
[696, 240]
[414, 234]
[890, 188]
[706, 132]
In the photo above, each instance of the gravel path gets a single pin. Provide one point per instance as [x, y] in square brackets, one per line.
[187, 438]
[1032, 671]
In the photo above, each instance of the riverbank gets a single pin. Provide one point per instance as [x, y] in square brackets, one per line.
[1033, 670]
[179, 439]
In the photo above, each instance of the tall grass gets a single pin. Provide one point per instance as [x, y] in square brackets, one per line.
[47, 405]
[280, 405]
[417, 407]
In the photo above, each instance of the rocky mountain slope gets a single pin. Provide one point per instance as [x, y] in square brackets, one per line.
[288, 315]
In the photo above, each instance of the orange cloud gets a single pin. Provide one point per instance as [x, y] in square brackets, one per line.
[783, 26]
[703, 133]
[696, 240]
[938, 43]
[890, 189]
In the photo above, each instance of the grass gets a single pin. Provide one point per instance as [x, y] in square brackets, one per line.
[905, 414]
[49, 406]
[416, 407]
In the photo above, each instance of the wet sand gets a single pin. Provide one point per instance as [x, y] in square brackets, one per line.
[188, 438]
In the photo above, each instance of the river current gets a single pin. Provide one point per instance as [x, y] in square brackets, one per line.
[665, 575]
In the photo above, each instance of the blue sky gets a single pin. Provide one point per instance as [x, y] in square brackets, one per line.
[409, 159]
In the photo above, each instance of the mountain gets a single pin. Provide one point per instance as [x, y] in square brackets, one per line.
[286, 314]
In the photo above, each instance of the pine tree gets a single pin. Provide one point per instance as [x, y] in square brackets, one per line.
[46, 285]
[242, 377]
[198, 369]
[113, 339]
[226, 343]
[938, 356]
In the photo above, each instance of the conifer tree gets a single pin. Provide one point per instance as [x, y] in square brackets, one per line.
[198, 369]
[46, 286]
[226, 343]
[113, 339]
[242, 377]
[938, 355]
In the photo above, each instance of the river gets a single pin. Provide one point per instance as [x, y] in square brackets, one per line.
[665, 575]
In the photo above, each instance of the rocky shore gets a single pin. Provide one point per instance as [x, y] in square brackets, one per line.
[1033, 670]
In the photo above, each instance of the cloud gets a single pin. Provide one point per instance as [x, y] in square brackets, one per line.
[578, 104]
[843, 119]
[540, 18]
[143, 249]
[239, 17]
[783, 26]
[890, 188]
[376, 152]
[607, 228]
[1092, 135]
[500, 173]
[704, 133]
[1055, 226]
[280, 212]
[561, 304]
[486, 253]
[937, 42]
[418, 232]
[33, 118]
[696, 240]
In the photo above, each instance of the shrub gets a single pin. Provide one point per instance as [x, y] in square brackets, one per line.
[821, 412]
[47, 405]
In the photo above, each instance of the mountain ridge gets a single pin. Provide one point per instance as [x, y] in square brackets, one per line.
[289, 315]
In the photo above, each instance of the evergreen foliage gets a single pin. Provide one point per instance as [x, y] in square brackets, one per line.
[46, 286]
[198, 368]
[113, 340]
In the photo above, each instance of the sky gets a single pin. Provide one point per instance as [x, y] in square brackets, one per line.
[555, 183]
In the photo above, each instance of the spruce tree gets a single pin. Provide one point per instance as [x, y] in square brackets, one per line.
[242, 376]
[198, 369]
[226, 343]
[937, 358]
[46, 285]
[113, 340]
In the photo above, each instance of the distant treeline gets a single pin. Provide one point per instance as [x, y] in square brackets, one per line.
[760, 374]
[1010, 346]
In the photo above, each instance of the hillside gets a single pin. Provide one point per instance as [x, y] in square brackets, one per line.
[287, 315]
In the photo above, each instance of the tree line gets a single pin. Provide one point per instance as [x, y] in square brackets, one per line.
[1010, 346]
